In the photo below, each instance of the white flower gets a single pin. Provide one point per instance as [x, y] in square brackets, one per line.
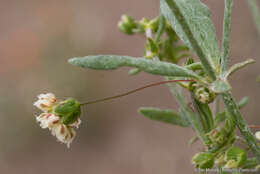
[54, 120]
[76, 123]
[45, 101]
[64, 134]
[257, 135]
[47, 120]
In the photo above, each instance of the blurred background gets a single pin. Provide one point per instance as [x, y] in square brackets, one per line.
[36, 40]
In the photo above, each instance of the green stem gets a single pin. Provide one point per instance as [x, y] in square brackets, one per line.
[226, 33]
[217, 105]
[188, 113]
[255, 13]
[241, 124]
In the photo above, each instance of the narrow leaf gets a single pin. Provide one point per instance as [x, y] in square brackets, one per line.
[226, 32]
[191, 21]
[238, 66]
[255, 13]
[110, 62]
[166, 116]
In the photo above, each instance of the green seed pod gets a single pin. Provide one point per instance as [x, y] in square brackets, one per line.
[204, 160]
[68, 110]
[235, 157]
[127, 25]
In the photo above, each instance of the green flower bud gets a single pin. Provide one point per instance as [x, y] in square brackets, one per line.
[154, 24]
[127, 25]
[203, 160]
[204, 95]
[220, 159]
[189, 61]
[235, 157]
[151, 48]
[143, 24]
[218, 136]
[68, 110]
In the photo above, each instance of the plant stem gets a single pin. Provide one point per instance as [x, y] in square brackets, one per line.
[187, 114]
[254, 126]
[217, 105]
[255, 13]
[241, 124]
[135, 90]
[226, 33]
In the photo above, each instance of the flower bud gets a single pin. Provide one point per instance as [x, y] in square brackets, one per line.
[235, 157]
[151, 48]
[127, 24]
[218, 135]
[154, 24]
[143, 24]
[220, 159]
[204, 95]
[257, 135]
[204, 160]
[68, 110]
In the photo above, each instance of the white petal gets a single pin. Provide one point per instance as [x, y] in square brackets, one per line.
[45, 101]
[76, 123]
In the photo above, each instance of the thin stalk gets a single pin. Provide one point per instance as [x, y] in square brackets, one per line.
[254, 126]
[135, 90]
[217, 105]
[241, 124]
[255, 13]
[204, 113]
[226, 33]
[188, 114]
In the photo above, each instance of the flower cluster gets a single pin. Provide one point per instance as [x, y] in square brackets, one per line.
[55, 121]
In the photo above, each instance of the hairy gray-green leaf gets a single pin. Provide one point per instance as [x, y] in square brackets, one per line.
[110, 62]
[166, 116]
[220, 86]
[191, 21]
[238, 66]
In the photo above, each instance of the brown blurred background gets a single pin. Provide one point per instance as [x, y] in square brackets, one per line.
[36, 40]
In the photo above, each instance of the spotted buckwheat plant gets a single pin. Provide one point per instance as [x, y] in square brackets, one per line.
[182, 32]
